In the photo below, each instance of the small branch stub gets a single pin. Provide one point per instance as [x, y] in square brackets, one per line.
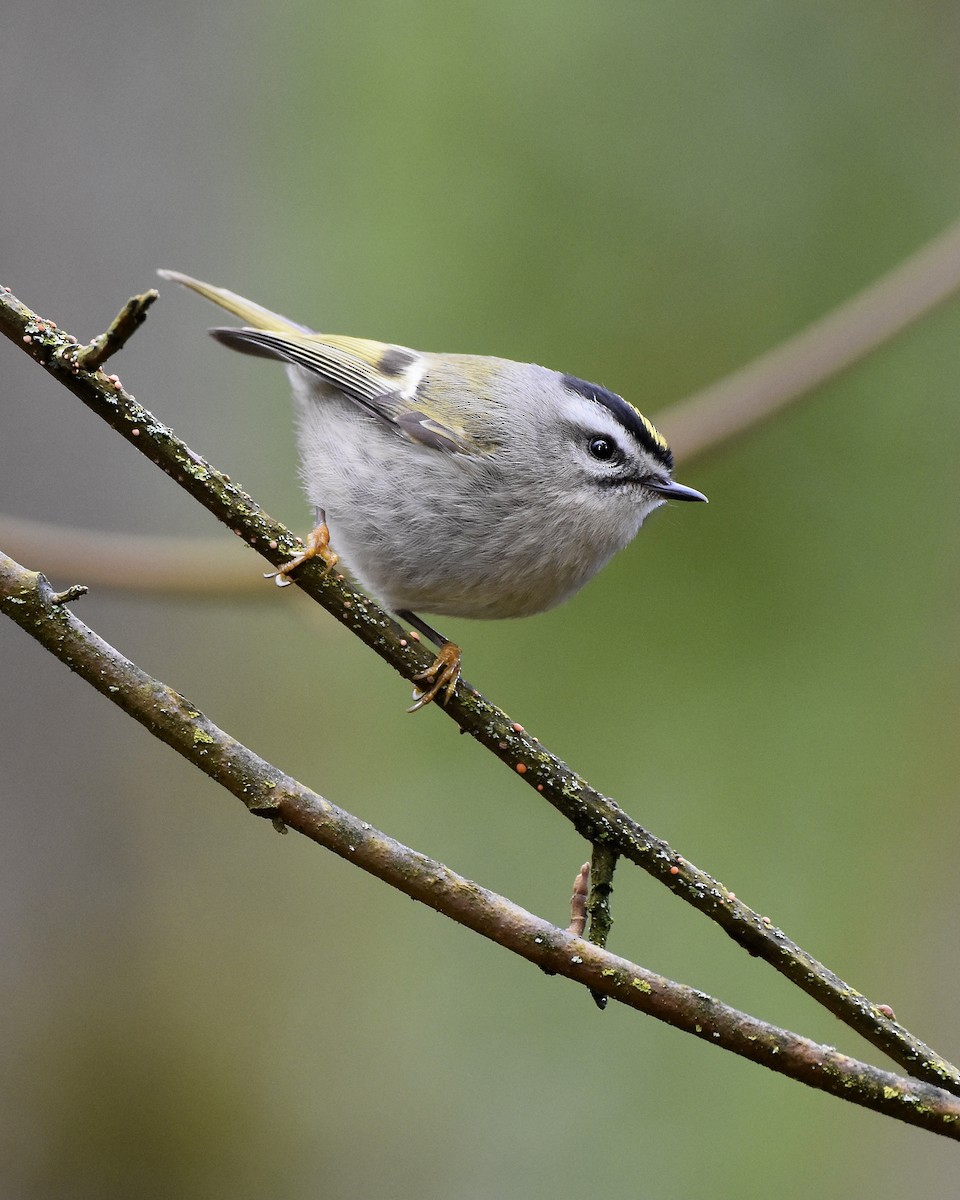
[578, 902]
[74, 592]
[122, 327]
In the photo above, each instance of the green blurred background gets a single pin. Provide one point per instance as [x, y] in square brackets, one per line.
[648, 195]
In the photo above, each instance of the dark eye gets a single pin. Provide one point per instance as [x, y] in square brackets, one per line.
[603, 448]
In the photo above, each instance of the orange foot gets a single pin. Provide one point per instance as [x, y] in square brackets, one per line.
[318, 546]
[441, 676]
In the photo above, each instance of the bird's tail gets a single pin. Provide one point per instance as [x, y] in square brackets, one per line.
[253, 314]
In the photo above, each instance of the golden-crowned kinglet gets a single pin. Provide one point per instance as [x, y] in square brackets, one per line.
[454, 483]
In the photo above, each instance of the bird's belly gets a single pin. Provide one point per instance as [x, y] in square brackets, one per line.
[477, 568]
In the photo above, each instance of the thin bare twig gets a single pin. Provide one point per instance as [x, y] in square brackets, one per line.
[28, 599]
[603, 863]
[596, 817]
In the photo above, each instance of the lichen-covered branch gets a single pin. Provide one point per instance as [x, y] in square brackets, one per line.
[28, 599]
[596, 817]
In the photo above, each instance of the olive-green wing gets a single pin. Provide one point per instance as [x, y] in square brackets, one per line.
[381, 379]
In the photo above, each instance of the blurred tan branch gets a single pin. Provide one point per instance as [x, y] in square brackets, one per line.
[738, 402]
[596, 817]
[132, 563]
[267, 792]
[693, 426]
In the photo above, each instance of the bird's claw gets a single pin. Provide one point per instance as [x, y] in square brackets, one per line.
[318, 546]
[442, 676]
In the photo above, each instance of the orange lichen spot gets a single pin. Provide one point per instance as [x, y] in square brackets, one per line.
[521, 768]
[674, 870]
